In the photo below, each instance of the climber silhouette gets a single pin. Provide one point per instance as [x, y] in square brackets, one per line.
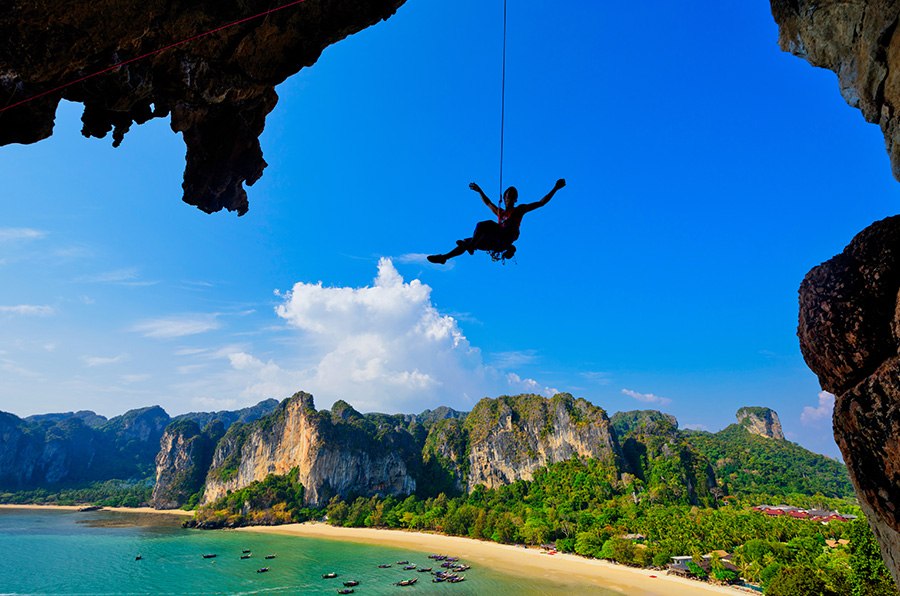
[497, 237]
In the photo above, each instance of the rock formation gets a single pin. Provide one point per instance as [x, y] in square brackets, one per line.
[217, 88]
[857, 40]
[185, 454]
[850, 337]
[848, 306]
[336, 453]
[511, 437]
[761, 421]
[54, 449]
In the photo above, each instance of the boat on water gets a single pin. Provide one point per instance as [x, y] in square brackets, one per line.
[245, 556]
[407, 582]
[209, 556]
[270, 556]
[402, 562]
[384, 566]
[351, 582]
[461, 567]
[456, 579]
[331, 575]
[138, 558]
[245, 551]
[437, 557]
[345, 591]
[91, 508]
[262, 570]
[409, 567]
[424, 569]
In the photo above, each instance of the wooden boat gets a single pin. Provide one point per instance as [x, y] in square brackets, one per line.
[262, 570]
[456, 579]
[407, 582]
[345, 591]
[270, 556]
[424, 569]
[384, 566]
[138, 558]
[409, 567]
[331, 575]
[351, 582]
[209, 556]
[245, 551]
[402, 562]
[245, 556]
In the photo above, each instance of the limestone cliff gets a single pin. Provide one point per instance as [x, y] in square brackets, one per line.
[656, 453]
[185, 454]
[217, 88]
[337, 453]
[761, 421]
[511, 437]
[850, 337]
[857, 40]
[72, 448]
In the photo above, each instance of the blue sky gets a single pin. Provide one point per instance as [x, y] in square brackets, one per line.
[707, 173]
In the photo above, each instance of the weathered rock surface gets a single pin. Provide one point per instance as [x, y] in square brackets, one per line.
[185, 454]
[857, 39]
[217, 89]
[850, 337]
[335, 454]
[761, 421]
[511, 437]
[72, 448]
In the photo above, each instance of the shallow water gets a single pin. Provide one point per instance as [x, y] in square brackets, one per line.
[67, 552]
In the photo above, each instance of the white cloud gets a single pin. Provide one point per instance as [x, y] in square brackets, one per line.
[14, 234]
[103, 360]
[177, 326]
[597, 376]
[513, 359]
[647, 397]
[122, 277]
[136, 378]
[28, 310]
[814, 415]
[381, 347]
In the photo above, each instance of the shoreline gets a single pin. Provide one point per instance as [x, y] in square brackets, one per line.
[514, 560]
[150, 510]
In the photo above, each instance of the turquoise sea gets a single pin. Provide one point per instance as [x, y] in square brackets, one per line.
[68, 552]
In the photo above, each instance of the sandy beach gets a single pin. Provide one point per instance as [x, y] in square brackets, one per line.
[514, 560]
[180, 512]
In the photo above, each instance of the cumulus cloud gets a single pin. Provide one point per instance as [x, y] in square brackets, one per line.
[28, 310]
[177, 326]
[811, 416]
[647, 397]
[380, 347]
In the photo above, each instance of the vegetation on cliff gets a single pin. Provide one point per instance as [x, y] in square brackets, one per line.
[747, 463]
[274, 500]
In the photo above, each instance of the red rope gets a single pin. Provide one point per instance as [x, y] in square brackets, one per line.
[148, 54]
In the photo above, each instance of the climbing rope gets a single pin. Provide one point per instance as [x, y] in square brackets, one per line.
[148, 54]
[502, 101]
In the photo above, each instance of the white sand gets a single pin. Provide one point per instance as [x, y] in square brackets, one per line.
[180, 512]
[515, 560]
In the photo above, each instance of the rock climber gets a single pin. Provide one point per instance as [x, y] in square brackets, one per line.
[497, 237]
